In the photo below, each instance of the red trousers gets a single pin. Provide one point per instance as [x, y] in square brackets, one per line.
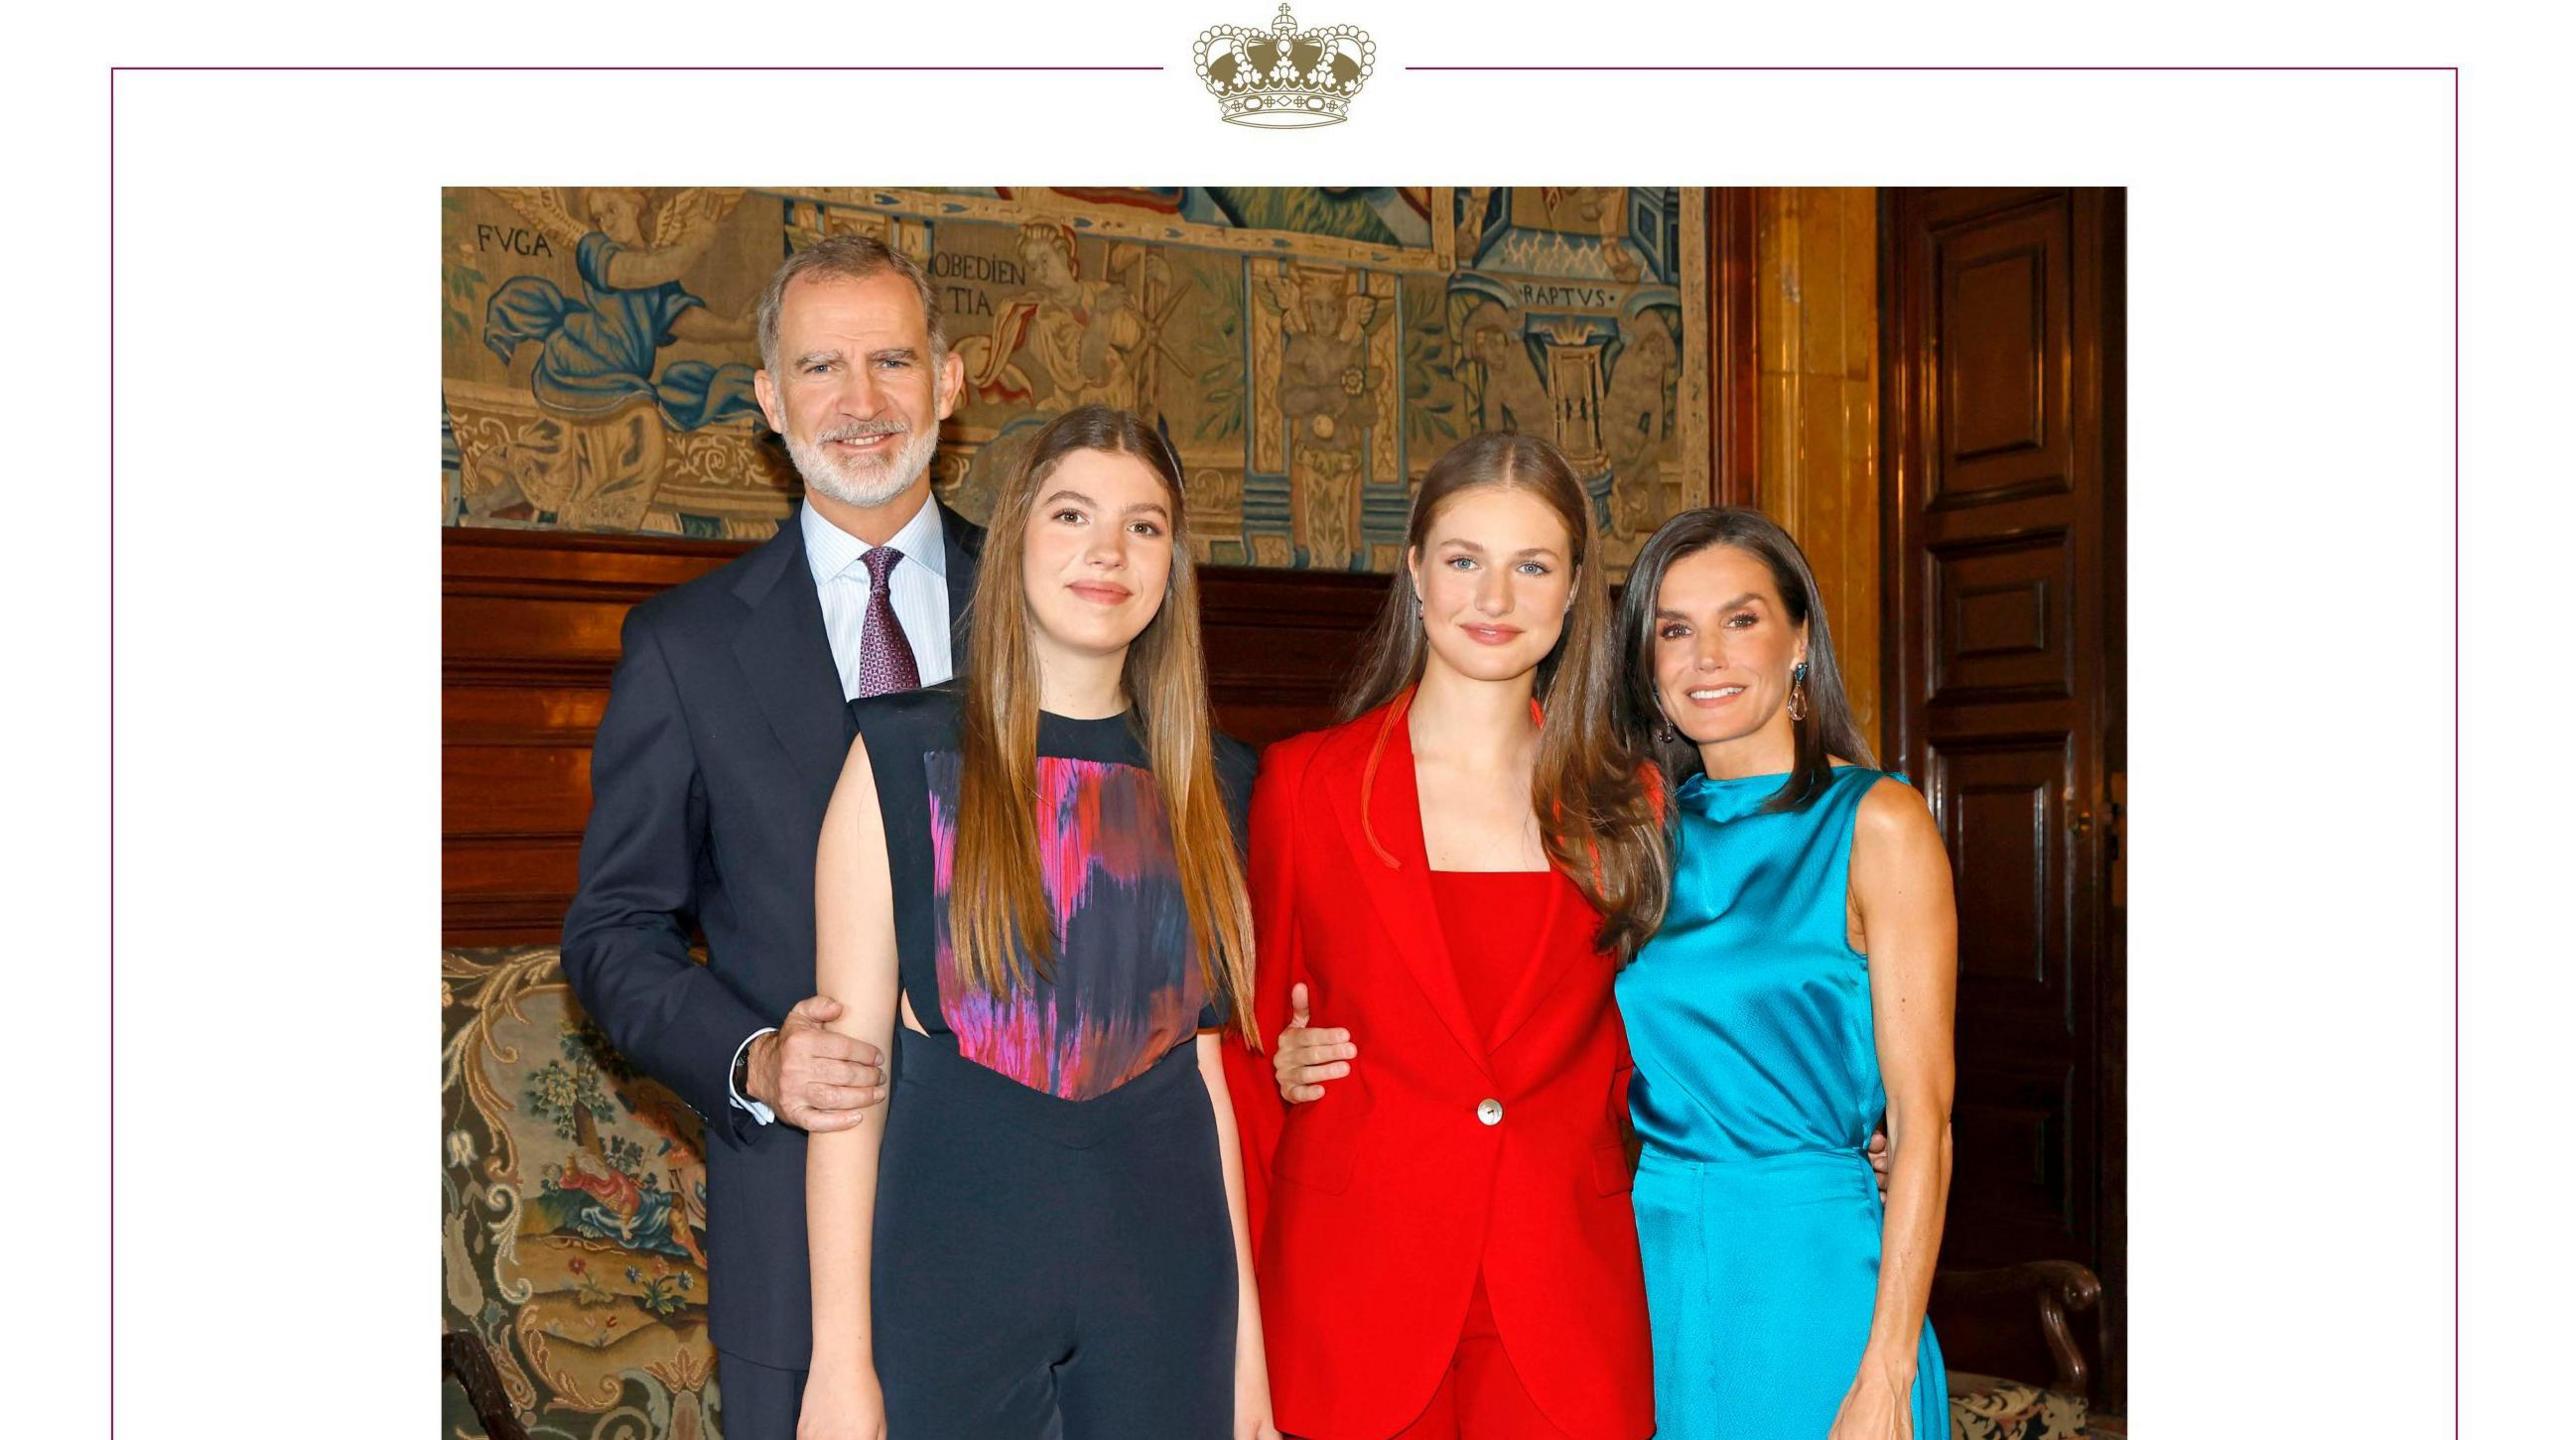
[1481, 1397]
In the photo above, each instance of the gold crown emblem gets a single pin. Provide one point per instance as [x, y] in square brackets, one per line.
[1283, 78]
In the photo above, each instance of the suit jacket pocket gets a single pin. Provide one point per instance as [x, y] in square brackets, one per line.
[1609, 1168]
[1318, 1142]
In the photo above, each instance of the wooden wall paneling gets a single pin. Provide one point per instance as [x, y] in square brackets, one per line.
[2104, 232]
[2002, 557]
[1279, 645]
[1726, 360]
[1815, 378]
[532, 628]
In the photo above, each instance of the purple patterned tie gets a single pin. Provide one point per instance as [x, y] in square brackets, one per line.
[888, 663]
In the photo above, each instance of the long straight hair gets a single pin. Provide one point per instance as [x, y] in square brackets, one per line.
[1595, 808]
[1826, 729]
[1001, 918]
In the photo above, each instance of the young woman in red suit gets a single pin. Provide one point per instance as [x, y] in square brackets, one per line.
[1444, 1245]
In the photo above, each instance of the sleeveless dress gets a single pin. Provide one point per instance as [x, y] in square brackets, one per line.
[1756, 1089]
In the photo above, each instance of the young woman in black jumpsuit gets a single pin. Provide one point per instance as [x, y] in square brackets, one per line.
[1029, 881]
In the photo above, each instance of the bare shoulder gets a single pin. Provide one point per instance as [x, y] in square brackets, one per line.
[1895, 823]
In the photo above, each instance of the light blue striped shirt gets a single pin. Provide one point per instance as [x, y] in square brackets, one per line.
[918, 593]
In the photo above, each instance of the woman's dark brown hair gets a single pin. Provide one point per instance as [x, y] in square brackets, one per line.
[1595, 809]
[1826, 729]
[1005, 905]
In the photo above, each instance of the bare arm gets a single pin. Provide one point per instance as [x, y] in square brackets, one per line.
[1253, 1376]
[857, 961]
[1903, 896]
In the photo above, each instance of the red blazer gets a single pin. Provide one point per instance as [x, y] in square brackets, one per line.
[1375, 1208]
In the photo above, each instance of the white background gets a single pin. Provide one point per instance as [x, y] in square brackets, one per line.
[274, 534]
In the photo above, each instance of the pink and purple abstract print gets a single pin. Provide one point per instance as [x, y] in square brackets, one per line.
[1124, 985]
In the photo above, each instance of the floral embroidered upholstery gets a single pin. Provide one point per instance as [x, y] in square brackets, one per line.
[1991, 1409]
[573, 1212]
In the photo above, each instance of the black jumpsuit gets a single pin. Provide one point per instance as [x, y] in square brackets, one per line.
[1051, 1255]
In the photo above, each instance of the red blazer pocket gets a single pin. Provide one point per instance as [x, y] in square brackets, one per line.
[1318, 1142]
[1609, 1169]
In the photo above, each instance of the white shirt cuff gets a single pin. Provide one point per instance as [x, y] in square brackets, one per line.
[757, 1108]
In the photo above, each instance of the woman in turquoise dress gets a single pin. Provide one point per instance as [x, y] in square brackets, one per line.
[1801, 986]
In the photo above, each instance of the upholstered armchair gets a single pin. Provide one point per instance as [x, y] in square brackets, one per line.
[2045, 1293]
[574, 1285]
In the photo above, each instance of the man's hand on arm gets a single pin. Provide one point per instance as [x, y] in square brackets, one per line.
[812, 1077]
[1305, 1058]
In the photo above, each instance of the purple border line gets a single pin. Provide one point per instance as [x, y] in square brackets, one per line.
[607, 69]
[114, 71]
[111, 754]
[1943, 69]
[2455, 71]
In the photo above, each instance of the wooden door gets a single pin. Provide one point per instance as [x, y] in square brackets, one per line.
[2003, 533]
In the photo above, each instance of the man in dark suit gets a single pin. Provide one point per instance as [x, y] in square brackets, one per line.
[715, 761]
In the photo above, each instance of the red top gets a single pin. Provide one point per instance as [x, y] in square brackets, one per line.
[1492, 918]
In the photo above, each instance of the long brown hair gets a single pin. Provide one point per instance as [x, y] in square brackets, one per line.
[1002, 918]
[1595, 810]
[1827, 728]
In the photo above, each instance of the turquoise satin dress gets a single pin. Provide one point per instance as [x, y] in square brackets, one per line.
[1756, 1089]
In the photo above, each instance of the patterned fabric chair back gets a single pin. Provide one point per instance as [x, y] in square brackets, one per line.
[573, 1214]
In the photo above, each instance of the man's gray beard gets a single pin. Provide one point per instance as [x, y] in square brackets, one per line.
[840, 483]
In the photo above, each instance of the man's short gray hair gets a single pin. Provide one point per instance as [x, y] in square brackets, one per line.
[841, 257]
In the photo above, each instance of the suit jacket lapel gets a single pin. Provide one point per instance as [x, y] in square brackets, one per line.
[960, 542]
[1401, 892]
[781, 644]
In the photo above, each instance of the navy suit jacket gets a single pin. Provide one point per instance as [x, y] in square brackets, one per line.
[713, 767]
